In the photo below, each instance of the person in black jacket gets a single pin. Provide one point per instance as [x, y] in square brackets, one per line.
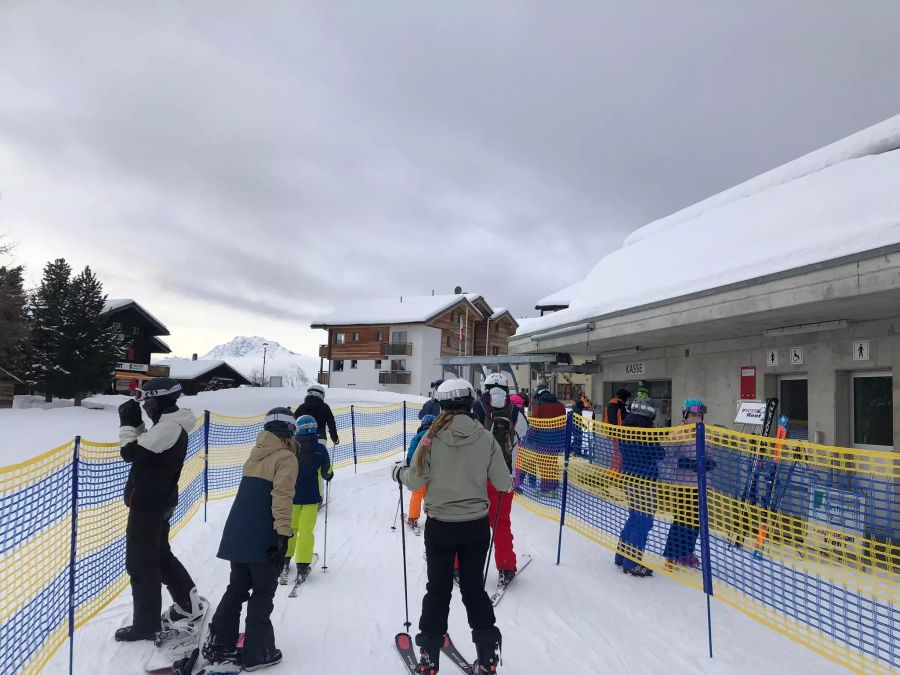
[315, 405]
[151, 494]
[640, 468]
[432, 407]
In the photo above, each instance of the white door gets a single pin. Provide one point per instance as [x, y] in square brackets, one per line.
[872, 410]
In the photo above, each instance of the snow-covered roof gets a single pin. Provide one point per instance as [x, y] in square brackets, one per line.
[838, 201]
[416, 309]
[186, 369]
[561, 298]
[113, 305]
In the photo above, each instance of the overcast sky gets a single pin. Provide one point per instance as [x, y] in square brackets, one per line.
[239, 168]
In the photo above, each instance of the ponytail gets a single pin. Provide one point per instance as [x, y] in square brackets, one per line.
[441, 423]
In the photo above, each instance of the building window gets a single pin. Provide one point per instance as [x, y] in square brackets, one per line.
[398, 364]
[356, 337]
[379, 337]
[873, 414]
[337, 366]
[448, 341]
[378, 365]
[495, 350]
[135, 330]
[354, 364]
[340, 338]
[398, 337]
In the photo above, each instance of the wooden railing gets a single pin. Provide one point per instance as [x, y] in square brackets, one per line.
[394, 377]
[396, 349]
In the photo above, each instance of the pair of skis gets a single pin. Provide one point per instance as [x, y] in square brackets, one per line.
[404, 644]
[300, 580]
[497, 595]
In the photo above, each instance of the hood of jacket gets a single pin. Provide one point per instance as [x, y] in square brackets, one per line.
[313, 402]
[461, 430]
[546, 396]
[183, 417]
[267, 444]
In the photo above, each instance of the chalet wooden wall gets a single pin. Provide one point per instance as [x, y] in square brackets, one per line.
[368, 347]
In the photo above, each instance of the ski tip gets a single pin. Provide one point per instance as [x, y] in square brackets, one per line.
[403, 640]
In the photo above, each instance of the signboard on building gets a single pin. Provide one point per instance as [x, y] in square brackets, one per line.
[750, 412]
[133, 367]
[861, 350]
[796, 357]
[772, 358]
[837, 521]
[748, 382]
[634, 368]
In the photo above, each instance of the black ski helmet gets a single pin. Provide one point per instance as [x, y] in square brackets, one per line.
[281, 422]
[160, 388]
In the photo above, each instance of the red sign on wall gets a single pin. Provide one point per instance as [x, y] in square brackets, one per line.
[748, 382]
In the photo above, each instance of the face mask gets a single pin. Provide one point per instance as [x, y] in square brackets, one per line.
[498, 397]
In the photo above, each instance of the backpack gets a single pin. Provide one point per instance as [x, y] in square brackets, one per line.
[501, 422]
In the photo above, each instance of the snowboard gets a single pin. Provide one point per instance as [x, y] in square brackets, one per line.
[299, 581]
[168, 651]
[524, 562]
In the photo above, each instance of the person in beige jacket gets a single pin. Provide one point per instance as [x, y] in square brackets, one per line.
[255, 540]
[457, 458]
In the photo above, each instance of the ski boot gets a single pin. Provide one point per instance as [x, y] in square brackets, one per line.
[413, 523]
[487, 646]
[132, 634]
[429, 653]
[303, 570]
[504, 577]
[220, 659]
[691, 561]
[638, 571]
[272, 657]
[285, 571]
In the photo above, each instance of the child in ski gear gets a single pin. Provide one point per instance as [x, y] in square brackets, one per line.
[682, 461]
[432, 407]
[457, 458]
[640, 472]
[581, 404]
[156, 457]
[313, 463]
[500, 416]
[314, 404]
[415, 499]
[255, 540]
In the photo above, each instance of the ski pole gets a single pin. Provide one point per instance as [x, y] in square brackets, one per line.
[407, 624]
[487, 563]
[325, 537]
[396, 513]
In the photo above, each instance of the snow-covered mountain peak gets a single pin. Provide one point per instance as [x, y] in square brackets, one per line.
[248, 346]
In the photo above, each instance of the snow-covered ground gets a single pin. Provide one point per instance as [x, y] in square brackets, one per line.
[26, 431]
[582, 617]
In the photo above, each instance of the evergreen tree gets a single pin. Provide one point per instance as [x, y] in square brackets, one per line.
[96, 345]
[49, 353]
[14, 325]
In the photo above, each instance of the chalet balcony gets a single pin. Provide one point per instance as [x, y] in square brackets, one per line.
[396, 349]
[394, 377]
[324, 351]
[323, 378]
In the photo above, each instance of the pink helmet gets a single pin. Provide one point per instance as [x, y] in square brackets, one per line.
[517, 400]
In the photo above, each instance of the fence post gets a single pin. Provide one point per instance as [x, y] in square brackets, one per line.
[703, 507]
[206, 417]
[404, 426]
[72, 551]
[565, 485]
[353, 433]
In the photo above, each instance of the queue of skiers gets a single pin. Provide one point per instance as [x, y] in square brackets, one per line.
[460, 463]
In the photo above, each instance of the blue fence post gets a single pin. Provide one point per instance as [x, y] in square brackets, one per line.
[206, 417]
[565, 486]
[353, 433]
[72, 551]
[404, 427]
[704, 526]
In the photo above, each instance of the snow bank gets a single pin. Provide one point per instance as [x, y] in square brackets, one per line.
[27, 432]
[774, 225]
[416, 309]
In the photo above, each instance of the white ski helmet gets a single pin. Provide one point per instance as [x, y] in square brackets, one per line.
[316, 390]
[496, 380]
[455, 394]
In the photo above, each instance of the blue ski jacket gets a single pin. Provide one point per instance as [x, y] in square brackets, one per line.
[313, 462]
[413, 443]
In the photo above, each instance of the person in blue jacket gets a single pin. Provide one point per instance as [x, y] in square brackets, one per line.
[431, 407]
[254, 541]
[640, 470]
[314, 464]
[415, 499]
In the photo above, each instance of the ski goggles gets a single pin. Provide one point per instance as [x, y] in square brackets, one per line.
[694, 410]
[143, 394]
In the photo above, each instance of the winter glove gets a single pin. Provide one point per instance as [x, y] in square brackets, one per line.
[395, 472]
[327, 478]
[335, 440]
[276, 553]
[711, 464]
[130, 414]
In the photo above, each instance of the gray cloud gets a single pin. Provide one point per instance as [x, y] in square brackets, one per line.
[310, 152]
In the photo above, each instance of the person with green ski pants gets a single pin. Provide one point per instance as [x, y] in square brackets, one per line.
[314, 466]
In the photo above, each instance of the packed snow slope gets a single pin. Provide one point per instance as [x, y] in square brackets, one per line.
[30, 428]
[582, 617]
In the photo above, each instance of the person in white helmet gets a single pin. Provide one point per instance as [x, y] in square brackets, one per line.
[315, 405]
[458, 457]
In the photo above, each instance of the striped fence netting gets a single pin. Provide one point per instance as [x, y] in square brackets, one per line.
[62, 547]
[801, 537]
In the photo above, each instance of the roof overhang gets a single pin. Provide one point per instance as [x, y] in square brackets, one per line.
[156, 323]
[157, 346]
[856, 288]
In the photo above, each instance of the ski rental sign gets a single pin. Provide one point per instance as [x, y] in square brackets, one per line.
[751, 412]
[837, 521]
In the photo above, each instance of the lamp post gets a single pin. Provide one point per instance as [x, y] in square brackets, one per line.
[265, 346]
